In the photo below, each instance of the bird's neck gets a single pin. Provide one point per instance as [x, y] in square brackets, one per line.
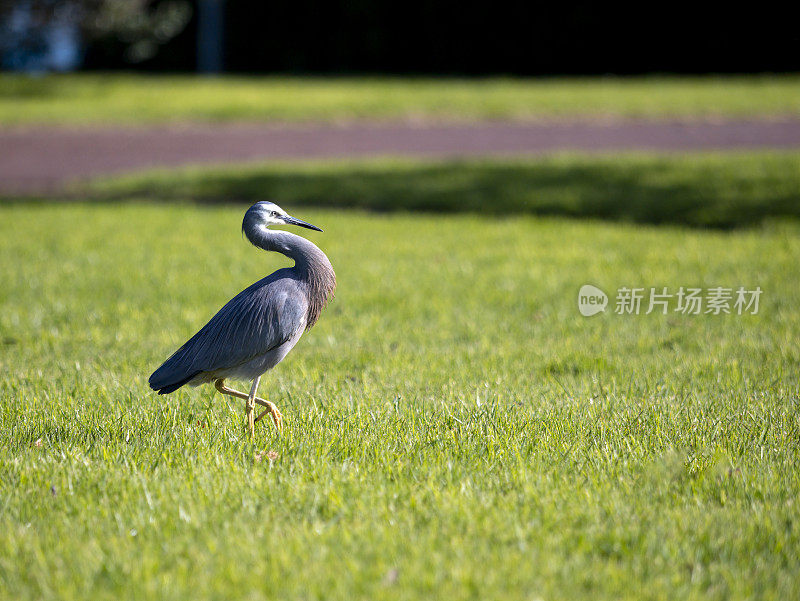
[306, 255]
[311, 264]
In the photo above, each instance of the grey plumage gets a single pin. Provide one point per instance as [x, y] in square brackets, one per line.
[255, 330]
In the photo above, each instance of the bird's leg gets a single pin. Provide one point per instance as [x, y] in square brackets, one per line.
[271, 408]
[250, 407]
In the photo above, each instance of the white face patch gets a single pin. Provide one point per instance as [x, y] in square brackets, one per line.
[271, 214]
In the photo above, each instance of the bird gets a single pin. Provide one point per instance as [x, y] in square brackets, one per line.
[256, 329]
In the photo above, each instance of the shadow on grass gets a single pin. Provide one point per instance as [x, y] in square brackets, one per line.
[704, 190]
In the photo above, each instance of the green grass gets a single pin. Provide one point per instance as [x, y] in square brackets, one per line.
[719, 190]
[131, 99]
[455, 429]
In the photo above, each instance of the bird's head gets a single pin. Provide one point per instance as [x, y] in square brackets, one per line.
[265, 213]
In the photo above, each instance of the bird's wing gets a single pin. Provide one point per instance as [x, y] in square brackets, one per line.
[257, 320]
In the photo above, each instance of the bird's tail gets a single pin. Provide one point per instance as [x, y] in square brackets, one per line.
[170, 376]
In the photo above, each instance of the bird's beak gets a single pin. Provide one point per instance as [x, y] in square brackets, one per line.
[294, 221]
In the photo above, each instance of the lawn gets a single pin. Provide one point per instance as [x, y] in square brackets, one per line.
[724, 189]
[455, 429]
[134, 99]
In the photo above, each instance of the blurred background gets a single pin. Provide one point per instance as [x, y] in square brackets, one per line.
[171, 83]
[418, 37]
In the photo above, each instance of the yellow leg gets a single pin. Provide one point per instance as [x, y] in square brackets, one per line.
[250, 407]
[277, 418]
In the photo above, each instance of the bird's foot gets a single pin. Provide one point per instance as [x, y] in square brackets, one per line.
[274, 413]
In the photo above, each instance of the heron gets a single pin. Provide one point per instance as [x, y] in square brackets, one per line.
[258, 327]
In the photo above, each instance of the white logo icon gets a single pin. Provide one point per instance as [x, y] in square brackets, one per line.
[591, 300]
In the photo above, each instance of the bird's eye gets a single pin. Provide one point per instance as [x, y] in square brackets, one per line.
[273, 213]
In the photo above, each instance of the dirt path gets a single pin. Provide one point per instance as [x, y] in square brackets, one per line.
[42, 159]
